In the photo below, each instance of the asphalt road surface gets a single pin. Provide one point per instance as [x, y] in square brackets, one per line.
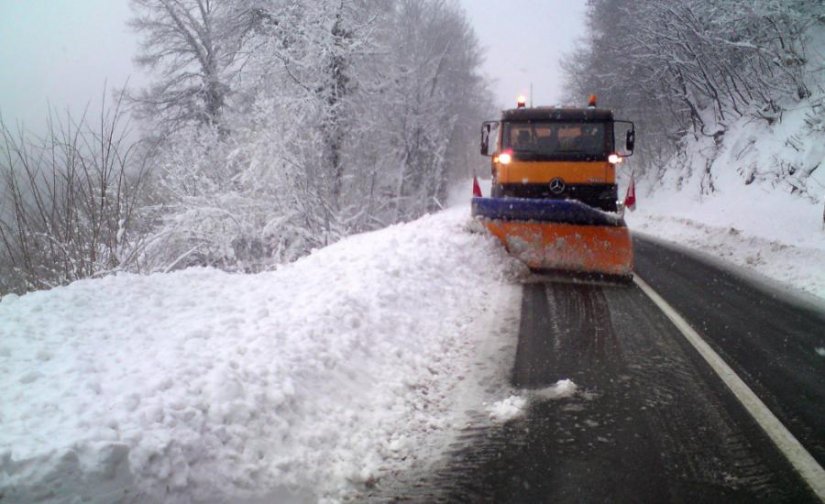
[652, 422]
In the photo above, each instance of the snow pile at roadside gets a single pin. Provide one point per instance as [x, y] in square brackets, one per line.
[777, 235]
[291, 386]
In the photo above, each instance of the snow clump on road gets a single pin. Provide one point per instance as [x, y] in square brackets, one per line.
[516, 405]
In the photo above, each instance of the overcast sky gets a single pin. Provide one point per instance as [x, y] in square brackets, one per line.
[523, 42]
[60, 52]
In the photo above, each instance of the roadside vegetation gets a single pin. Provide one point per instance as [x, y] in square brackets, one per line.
[69, 201]
[269, 128]
[710, 84]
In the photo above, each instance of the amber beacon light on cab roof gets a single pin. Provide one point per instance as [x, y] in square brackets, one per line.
[554, 199]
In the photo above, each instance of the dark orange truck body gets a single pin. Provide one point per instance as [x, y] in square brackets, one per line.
[554, 201]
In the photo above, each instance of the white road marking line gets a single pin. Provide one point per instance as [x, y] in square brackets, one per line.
[803, 462]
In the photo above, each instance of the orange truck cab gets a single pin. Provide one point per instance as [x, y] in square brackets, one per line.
[557, 153]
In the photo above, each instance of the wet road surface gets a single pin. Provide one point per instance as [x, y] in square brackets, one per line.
[651, 421]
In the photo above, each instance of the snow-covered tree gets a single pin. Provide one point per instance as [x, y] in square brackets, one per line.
[194, 48]
[434, 78]
[345, 116]
[694, 67]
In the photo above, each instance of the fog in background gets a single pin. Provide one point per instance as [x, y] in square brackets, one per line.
[60, 52]
[523, 42]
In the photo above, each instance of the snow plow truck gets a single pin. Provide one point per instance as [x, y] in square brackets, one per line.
[554, 199]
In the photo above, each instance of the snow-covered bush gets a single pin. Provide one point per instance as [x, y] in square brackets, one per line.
[68, 201]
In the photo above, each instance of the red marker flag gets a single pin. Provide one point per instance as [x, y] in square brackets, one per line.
[630, 197]
[476, 188]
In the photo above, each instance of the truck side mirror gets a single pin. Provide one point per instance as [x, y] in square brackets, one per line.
[630, 141]
[488, 131]
[629, 130]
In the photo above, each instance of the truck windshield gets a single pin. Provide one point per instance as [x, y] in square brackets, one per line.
[558, 140]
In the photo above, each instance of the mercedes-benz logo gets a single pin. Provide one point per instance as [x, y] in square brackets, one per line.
[557, 186]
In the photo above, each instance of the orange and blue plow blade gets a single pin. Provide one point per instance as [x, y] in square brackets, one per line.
[560, 235]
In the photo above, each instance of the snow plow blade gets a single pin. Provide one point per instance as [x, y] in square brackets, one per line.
[559, 235]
